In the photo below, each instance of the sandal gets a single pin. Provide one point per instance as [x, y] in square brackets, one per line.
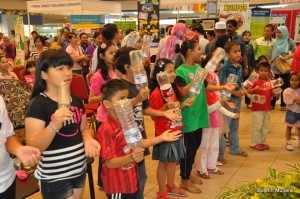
[241, 153]
[283, 108]
[257, 147]
[203, 175]
[189, 186]
[222, 160]
[215, 171]
[195, 180]
[289, 146]
[162, 195]
[173, 190]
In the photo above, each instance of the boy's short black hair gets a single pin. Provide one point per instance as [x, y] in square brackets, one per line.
[109, 31]
[229, 45]
[264, 65]
[111, 87]
[122, 58]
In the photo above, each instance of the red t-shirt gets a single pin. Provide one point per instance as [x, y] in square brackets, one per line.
[265, 90]
[161, 123]
[29, 78]
[120, 180]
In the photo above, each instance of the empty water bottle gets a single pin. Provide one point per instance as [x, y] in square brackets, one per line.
[147, 41]
[64, 98]
[260, 99]
[132, 134]
[212, 64]
[165, 86]
[231, 79]
[277, 82]
[251, 79]
[196, 88]
[138, 70]
[277, 91]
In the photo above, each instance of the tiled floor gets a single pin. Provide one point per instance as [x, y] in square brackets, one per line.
[237, 170]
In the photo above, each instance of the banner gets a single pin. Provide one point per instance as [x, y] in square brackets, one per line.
[125, 25]
[237, 10]
[148, 16]
[42, 6]
[260, 18]
[85, 21]
[289, 1]
[19, 41]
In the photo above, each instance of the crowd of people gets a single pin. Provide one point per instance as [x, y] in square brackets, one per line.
[184, 124]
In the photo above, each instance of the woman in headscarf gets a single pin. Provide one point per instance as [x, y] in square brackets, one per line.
[285, 47]
[166, 47]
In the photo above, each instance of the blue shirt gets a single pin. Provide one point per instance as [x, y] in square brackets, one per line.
[227, 69]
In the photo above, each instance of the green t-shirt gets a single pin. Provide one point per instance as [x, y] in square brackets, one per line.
[195, 116]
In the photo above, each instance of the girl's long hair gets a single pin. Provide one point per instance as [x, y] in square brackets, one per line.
[29, 64]
[103, 46]
[160, 67]
[49, 58]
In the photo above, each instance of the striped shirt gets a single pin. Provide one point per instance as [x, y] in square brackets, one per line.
[35, 55]
[65, 156]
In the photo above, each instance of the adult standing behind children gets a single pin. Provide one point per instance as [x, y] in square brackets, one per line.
[284, 47]
[262, 45]
[233, 66]
[62, 132]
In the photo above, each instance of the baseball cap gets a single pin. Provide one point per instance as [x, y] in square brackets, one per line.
[220, 25]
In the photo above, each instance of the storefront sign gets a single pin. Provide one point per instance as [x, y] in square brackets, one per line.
[125, 25]
[260, 18]
[85, 21]
[289, 1]
[19, 41]
[148, 16]
[42, 6]
[237, 10]
[211, 7]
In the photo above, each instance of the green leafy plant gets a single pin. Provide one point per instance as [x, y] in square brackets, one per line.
[284, 185]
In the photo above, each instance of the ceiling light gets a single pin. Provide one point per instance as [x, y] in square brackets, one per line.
[274, 6]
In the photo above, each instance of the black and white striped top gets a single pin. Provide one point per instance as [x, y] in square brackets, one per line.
[65, 156]
[35, 55]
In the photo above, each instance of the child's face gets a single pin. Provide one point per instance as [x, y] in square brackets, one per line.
[196, 53]
[294, 81]
[247, 37]
[109, 55]
[235, 53]
[38, 43]
[98, 39]
[4, 65]
[170, 70]
[55, 76]
[263, 72]
[120, 95]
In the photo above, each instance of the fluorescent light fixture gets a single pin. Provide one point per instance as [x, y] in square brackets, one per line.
[275, 6]
[182, 12]
[46, 28]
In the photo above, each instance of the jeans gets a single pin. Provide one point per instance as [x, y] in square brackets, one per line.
[143, 179]
[222, 146]
[234, 145]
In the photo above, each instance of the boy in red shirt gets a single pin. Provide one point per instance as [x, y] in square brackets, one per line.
[119, 169]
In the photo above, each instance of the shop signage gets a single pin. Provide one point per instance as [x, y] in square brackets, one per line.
[259, 19]
[148, 16]
[237, 10]
[125, 25]
[85, 21]
[50, 6]
[289, 1]
[211, 7]
[19, 40]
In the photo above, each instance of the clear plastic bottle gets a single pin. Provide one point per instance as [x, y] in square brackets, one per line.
[64, 99]
[132, 134]
[196, 88]
[277, 82]
[138, 70]
[260, 99]
[165, 86]
[147, 41]
[251, 79]
[277, 91]
[212, 64]
[231, 79]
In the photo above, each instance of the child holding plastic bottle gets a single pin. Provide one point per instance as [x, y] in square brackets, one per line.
[30, 73]
[194, 117]
[168, 153]
[261, 91]
[119, 169]
[291, 97]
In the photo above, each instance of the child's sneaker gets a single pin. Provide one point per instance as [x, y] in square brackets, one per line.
[289, 146]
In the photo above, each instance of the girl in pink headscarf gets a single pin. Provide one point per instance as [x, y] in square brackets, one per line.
[166, 47]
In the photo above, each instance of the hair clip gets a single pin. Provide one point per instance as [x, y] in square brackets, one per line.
[161, 63]
[103, 45]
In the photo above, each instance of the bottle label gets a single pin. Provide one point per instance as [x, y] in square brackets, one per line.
[140, 79]
[133, 136]
[195, 89]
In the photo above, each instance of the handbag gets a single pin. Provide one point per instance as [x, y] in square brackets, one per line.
[282, 65]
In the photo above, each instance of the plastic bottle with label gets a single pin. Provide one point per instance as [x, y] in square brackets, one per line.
[147, 41]
[165, 85]
[212, 64]
[251, 79]
[277, 82]
[196, 88]
[277, 91]
[138, 70]
[260, 99]
[231, 79]
[132, 134]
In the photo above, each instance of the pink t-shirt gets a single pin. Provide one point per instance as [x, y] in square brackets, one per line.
[96, 82]
[76, 53]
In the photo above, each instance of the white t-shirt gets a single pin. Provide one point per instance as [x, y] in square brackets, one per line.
[7, 170]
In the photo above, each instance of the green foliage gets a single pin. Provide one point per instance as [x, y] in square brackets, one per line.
[275, 185]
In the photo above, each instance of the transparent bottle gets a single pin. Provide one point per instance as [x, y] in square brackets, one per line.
[64, 98]
[251, 79]
[147, 41]
[260, 99]
[138, 70]
[212, 64]
[277, 91]
[277, 82]
[231, 79]
[132, 134]
[165, 86]
[196, 88]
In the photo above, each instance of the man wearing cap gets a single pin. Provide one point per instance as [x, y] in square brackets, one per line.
[232, 26]
[220, 29]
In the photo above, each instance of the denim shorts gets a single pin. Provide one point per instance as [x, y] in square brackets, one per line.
[292, 117]
[62, 189]
[169, 151]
